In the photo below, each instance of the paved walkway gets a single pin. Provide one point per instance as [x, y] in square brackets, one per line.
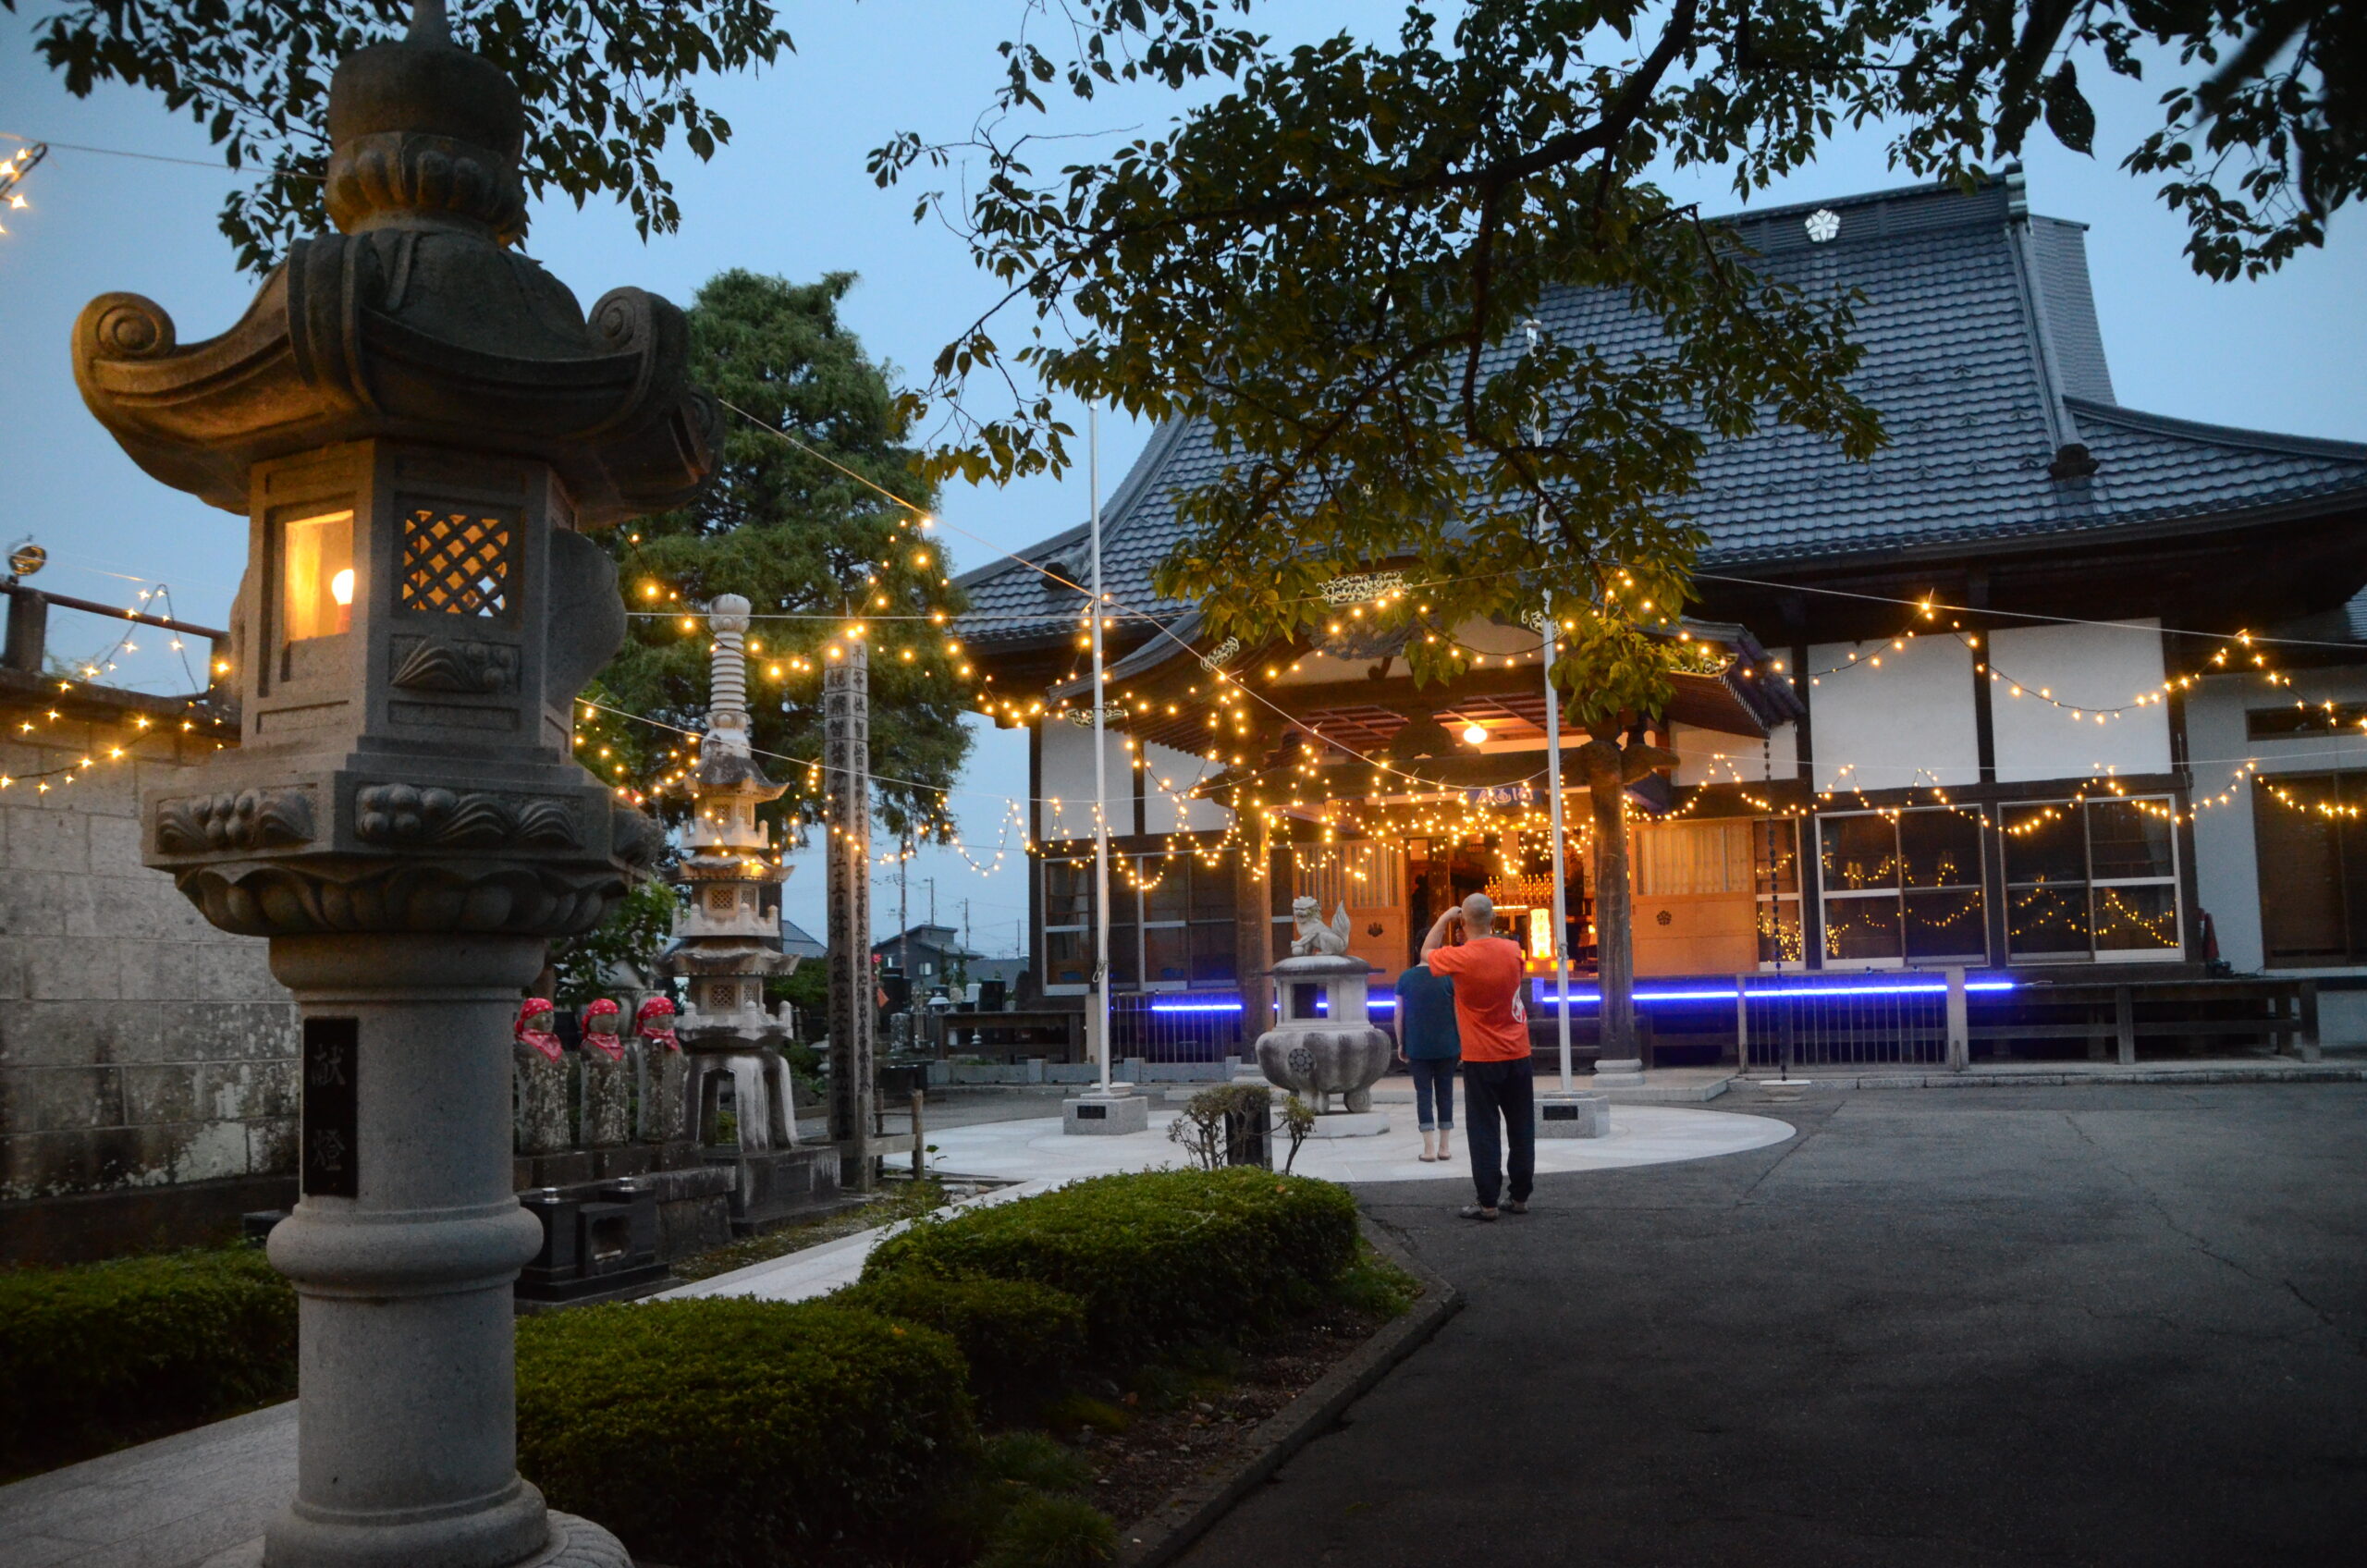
[1035, 1153]
[2061, 1325]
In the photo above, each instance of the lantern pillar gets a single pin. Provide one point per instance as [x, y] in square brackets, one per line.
[418, 423]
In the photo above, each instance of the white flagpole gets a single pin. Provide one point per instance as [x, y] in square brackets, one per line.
[1561, 889]
[1553, 787]
[1101, 766]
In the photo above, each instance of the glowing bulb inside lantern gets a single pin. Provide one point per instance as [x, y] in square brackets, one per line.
[341, 586]
[1474, 734]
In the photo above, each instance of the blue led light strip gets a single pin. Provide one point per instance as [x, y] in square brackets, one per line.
[1723, 994]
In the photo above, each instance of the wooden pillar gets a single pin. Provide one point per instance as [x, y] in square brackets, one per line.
[2124, 1017]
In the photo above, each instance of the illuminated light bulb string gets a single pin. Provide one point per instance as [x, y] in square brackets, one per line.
[1230, 696]
[36, 734]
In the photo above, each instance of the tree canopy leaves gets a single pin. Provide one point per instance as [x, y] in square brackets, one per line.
[1333, 262]
[607, 84]
[814, 550]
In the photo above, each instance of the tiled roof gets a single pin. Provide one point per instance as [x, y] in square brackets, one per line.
[1982, 356]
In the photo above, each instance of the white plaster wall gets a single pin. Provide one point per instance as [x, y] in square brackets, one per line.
[1178, 771]
[1712, 756]
[1068, 779]
[1907, 722]
[2089, 668]
[2225, 858]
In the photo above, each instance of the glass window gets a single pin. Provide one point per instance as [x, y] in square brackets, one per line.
[1860, 851]
[2097, 879]
[1902, 886]
[316, 576]
[1775, 875]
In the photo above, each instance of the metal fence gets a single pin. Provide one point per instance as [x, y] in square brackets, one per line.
[1819, 1020]
[1166, 1028]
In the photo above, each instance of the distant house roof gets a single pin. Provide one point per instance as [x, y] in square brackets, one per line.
[796, 940]
[941, 938]
[1982, 355]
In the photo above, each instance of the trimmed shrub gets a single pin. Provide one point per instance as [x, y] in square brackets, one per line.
[101, 1354]
[733, 1433]
[1155, 1257]
[1015, 1334]
[1051, 1532]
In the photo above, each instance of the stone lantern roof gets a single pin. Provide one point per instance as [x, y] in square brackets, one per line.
[419, 321]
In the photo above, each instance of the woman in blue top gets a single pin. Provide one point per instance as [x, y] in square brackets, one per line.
[1431, 1048]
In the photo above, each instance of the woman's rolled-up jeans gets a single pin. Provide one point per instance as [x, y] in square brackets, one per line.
[1434, 1092]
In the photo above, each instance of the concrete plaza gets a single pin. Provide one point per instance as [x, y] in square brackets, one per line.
[2044, 1325]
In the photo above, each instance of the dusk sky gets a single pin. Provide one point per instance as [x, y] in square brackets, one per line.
[789, 196]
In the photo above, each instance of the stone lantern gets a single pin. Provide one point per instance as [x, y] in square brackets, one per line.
[418, 423]
[726, 943]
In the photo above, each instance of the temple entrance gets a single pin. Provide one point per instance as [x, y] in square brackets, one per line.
[1516, 873]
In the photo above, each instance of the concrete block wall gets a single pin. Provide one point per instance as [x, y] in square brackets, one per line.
[139, 1046]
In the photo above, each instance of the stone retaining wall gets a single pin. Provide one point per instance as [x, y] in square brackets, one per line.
[139, 1046]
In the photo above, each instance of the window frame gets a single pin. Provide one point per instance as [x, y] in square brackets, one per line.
[1898, 893]
[1129, 910]
[2173, 880]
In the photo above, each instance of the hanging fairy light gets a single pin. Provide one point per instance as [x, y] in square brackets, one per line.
[14, 166]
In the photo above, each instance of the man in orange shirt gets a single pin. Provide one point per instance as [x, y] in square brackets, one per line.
[1488, 970]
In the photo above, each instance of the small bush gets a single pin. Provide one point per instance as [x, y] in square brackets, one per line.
[1215, 1121]
[1155, 1257]
[1051, 1532]
[1032, 1459]
[101, 1354]
[1015, 1334]
[1374, 1284]
[732, 1433]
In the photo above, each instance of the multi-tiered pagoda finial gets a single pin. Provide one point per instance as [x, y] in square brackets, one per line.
[728, 943]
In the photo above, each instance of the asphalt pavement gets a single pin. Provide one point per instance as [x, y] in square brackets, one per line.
[2043, 1325]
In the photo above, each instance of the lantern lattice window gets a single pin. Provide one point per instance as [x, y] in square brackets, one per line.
[455, 564]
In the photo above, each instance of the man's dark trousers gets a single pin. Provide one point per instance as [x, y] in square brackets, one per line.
[1499, 1088]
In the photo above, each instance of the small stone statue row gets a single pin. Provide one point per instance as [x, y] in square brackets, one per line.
[613, 1091]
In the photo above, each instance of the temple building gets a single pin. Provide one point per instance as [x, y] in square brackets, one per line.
[2068, 695]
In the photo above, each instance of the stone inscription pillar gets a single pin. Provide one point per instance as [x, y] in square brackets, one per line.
[846, 760]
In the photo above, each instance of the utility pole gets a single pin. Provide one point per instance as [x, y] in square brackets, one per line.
[904, 917]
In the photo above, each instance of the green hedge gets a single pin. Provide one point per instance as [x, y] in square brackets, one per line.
[100, 1354]
[1016, 1335]
[732, 1433]
[1156, 1257]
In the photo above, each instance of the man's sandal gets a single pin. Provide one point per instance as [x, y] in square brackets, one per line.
[1516, 1206]
[1472, 1211]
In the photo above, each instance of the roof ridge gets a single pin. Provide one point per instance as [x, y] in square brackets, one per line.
[2223, 435]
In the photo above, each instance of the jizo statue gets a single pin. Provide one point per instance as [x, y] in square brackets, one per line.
[419, 424]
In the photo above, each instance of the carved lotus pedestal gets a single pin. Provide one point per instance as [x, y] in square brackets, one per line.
[1324, 1046]
[738, 1098]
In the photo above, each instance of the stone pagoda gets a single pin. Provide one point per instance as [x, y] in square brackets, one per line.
[418, 424]
[727, 944]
